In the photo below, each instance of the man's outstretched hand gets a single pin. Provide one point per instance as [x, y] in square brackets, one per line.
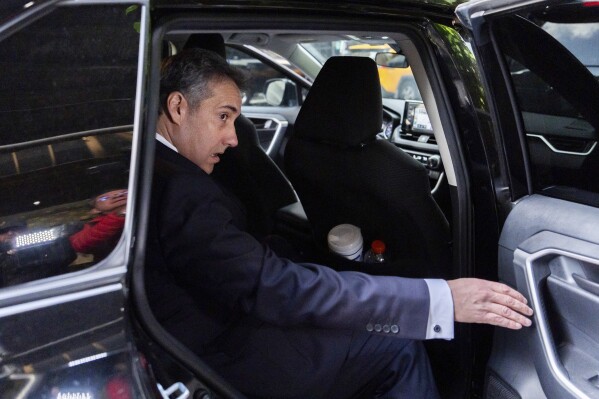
[488, 302]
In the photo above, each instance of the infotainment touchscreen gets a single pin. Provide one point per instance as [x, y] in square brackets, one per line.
[416, 119]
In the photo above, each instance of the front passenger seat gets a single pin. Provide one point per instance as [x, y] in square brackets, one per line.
[343, 174]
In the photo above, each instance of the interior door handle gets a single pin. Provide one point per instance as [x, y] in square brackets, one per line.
[586, 284]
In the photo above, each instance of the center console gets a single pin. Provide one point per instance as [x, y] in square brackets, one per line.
[416, 137]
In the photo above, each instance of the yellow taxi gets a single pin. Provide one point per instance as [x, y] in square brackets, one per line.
[397, 80]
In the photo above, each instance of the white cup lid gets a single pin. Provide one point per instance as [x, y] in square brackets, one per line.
[345, 239]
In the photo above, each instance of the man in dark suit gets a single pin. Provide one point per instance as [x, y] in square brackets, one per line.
[272, 327]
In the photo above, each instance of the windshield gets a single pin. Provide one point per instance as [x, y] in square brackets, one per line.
[397, 82]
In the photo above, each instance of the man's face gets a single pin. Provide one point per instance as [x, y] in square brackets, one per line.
[208, 130]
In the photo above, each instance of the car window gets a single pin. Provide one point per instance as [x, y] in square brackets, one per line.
[67, 94]
[396, 82]
[266, 86]
[554, 71]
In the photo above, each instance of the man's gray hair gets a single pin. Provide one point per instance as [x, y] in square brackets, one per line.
[191, 72]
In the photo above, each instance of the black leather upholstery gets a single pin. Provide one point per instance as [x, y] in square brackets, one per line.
[255, 179]
[247, 170]
[343, 174]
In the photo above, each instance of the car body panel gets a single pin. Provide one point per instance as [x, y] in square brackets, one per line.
[88, 355]
[92, 331]
[549, 248]
[68, 335]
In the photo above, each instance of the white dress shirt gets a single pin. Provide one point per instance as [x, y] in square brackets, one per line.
[440, 312]
[165, 142]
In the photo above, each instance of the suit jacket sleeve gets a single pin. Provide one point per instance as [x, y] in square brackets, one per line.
[206, 251]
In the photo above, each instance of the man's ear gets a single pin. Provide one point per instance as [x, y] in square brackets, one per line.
[177, 107]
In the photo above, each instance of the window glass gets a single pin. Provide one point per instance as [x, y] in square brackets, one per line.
[67, 93]
[554, 68]
[397, 81]
[266, 86]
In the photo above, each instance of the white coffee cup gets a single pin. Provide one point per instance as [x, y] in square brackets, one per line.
[346, 240]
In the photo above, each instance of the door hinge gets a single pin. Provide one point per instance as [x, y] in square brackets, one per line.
[177, 388]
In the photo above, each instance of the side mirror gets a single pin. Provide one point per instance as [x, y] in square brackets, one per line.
[281, 93]
[391, 60]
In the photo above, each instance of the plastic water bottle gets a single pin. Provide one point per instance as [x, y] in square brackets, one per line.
[376, 253]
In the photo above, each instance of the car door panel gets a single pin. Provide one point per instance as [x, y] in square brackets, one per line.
[271, 129]
[273, 125]
[535, 60]
[549, 250]
[85, 355]
[63, 319]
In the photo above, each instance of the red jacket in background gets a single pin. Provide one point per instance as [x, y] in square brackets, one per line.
[99, 236]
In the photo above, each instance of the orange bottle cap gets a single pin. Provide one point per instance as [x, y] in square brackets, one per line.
[378, 247]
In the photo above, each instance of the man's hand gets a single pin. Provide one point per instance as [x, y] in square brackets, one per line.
[482, 301]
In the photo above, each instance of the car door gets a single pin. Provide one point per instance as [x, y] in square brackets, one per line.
[273, 96]
[70, 98]
[539, 61]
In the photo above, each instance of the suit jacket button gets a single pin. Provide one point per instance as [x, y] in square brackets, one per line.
[386, 328]
[437, 328]
[377, 328]
[369, 327]
[394, 329]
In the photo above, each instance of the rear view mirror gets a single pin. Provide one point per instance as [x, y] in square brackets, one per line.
[391, 60]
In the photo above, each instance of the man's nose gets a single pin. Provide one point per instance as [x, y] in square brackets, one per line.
[231, 139]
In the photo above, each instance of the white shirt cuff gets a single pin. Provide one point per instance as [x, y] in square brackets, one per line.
[440, 313]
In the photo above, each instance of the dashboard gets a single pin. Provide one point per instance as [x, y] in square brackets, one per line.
[407, 125]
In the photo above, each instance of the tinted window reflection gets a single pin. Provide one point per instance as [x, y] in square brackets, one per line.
[67, 93]
[259, 77]
[557, 94]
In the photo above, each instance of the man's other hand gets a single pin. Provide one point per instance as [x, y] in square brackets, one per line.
[488, 302]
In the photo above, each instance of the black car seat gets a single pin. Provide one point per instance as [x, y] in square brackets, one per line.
[343, 174]
[247, 170]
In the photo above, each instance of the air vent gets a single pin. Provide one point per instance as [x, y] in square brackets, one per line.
[419, 137]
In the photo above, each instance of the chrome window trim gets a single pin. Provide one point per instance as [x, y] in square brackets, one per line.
[137, 128]
[57, 300]
[60, 283]
[68, 136]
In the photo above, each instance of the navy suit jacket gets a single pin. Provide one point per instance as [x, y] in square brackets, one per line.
[211, 284]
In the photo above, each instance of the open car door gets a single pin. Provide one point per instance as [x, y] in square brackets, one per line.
[540, 62]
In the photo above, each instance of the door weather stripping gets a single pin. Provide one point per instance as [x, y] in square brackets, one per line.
[176, 387]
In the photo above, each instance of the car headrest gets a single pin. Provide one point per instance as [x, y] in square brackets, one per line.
[207, 41]
[344, 105]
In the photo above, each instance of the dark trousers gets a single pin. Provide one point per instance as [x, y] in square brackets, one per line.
[270, 362]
